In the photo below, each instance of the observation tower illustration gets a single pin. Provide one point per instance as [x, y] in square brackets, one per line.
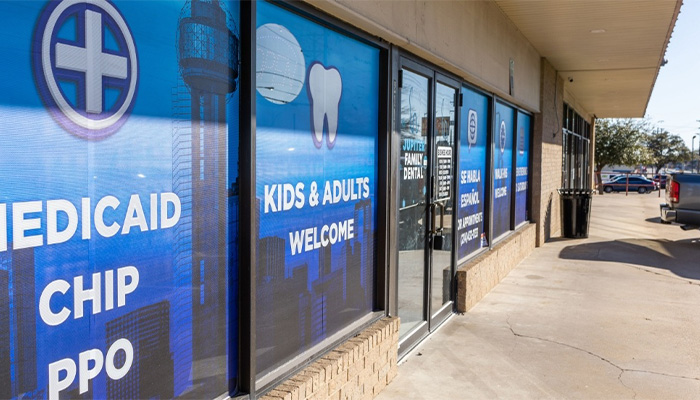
[208, 62]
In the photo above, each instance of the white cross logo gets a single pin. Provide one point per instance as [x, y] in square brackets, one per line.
[88, 57]
[92, 61]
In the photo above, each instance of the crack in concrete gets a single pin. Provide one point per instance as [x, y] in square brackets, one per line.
[619, 379]
[622, 370]
[598, 356]
[662, 374]
[512, 349]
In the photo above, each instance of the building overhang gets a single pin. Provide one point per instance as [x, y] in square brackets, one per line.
[608, 52]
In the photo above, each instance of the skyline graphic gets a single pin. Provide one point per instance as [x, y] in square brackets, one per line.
[151, 372]
[296, 311]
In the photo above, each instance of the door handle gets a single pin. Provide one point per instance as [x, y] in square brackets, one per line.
[442, 217]
[436, 233]
[433, 218]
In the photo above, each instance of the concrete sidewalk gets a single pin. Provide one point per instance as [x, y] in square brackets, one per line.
[614, 316]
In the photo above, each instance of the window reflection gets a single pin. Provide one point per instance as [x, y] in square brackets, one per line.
[412, 197]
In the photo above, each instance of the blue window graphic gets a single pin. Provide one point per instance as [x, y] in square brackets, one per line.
[522, 163]
[118, 217]
[317, 129]
[473, 150]
[503, 169]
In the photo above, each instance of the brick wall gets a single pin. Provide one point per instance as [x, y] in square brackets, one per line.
[547, 156]
[477, 277]
[358, 369]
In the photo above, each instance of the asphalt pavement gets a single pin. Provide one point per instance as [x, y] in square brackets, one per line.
[614, 316]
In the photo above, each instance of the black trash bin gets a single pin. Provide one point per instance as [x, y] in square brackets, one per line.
[575, 212]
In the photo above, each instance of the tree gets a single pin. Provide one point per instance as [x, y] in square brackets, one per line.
[621, 142]
[666, 148]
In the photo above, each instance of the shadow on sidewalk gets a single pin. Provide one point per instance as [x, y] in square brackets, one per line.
[680, 257]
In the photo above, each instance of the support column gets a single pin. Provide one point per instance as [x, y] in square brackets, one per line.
[547, 155]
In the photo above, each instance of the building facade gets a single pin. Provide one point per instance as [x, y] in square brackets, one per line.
[211, 199]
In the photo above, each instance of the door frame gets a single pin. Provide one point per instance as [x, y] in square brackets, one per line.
[430, 322]
[446, 309]
[413, 337]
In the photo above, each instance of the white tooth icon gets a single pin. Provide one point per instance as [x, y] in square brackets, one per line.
[325, 88]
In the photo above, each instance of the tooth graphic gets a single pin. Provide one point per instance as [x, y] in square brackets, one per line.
[325, 88]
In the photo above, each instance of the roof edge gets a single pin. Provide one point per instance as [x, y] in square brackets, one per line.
[676, 12]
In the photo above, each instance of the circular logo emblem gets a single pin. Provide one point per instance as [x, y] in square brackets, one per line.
[85, 66]
[502, 136]
[472, 128]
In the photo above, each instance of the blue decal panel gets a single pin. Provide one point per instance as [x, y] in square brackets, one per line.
[118, 209]
[522, 163]
[472, 173]
[317, 129]
[502, 169]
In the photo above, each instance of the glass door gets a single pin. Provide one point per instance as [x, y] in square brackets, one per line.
[415, 123]
[425, 270]
[442, 202]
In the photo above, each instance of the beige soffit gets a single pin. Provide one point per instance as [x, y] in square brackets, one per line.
[608, 51]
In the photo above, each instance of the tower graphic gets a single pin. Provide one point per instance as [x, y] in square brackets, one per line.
[23, 281]
[208, 61]
[5, 343]
[363, 209]
[17, 324]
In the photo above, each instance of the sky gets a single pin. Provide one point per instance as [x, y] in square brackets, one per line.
[675, 99]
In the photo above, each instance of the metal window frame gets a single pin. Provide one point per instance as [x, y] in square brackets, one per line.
[404, 61]
[248, 386]
[528, 198]
[443, 313]
[575, 128]
[247, 229]
[497, 100]
[513, 228]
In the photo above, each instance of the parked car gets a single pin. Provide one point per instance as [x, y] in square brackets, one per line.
[636, 184]
[660, 180]
[682, 201]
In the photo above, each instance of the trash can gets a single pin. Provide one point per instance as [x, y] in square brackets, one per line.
[575, 212]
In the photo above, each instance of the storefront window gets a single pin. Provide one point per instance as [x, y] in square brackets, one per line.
[576, 150]
[471, 221]
[119, 205]
[316, 173]
[503, 169]
[522, 163]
